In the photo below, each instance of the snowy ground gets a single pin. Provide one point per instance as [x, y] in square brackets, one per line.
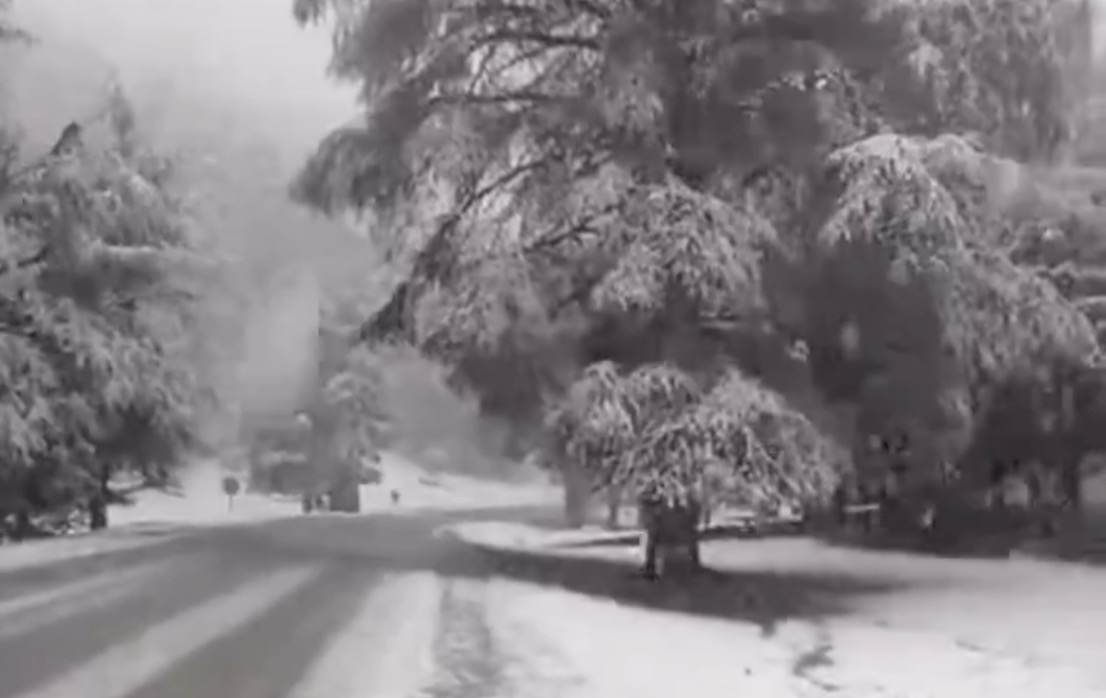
[200, 499]
[901, 626]
[520, 537]
[421, 490]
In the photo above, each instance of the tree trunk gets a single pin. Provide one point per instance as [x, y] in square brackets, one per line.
[22, 530]
[97, 513]
[694, 555]
[671, 529]
[840, 502]
[690, 533]
[98, 504]
[649, 567]
[345, 497]
[614, 505]
[1072, 482]
[576, 496]
[1035, 484]
[1071, 456]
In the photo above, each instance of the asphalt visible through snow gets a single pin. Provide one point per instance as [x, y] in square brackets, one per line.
[304, 607]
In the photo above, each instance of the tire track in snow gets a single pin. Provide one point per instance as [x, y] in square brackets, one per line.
[384, 650]
[469, 663]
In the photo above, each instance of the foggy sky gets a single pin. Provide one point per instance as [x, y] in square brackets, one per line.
[247, 58]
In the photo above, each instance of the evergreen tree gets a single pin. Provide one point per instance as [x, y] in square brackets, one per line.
[97, 312]
[761, 198]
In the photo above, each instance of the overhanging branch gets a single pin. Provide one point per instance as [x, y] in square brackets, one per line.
[391, 322]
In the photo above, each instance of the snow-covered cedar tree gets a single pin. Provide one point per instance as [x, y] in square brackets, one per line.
[1015, 73]
[667, 184]
[97, 285]
[915, 315]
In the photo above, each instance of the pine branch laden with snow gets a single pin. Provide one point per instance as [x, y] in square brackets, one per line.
[1015, 72]
[657, 431]
[478, 106]
[939, 318]
[743, 440]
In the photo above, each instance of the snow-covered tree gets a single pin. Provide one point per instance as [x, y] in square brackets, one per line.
[97, 299]
[757, 199]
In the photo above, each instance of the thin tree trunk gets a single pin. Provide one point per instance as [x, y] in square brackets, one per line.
[1071, 456]
[22, 530]
[1072, 481]
[694, 513]
[98, 504]
[649, 519]
[1035, 485]
[614, 505]
[694, 555]
[97, 513]
[1068, 525]
[576, 496]
[649, 568]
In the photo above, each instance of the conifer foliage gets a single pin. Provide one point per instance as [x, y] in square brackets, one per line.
[692, 228]
[99, 280]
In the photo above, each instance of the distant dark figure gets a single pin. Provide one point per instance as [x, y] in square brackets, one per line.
[395, 496]
[307, 503]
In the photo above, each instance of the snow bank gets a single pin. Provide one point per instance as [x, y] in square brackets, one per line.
[200, 500]
[950, 628]
[504, 535]
[164, 507]
[610, 650]
[913, 663]
[46, 552]
[595, 648]
[909, 645]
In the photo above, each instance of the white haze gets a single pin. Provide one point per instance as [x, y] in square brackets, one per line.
[279, 360]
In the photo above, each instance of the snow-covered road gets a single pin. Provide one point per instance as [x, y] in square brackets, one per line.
[392, 607]
[306, 607]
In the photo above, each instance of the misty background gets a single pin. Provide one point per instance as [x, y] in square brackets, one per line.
[239, 94]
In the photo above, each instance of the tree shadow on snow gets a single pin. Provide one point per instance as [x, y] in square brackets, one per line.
[764, 598]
